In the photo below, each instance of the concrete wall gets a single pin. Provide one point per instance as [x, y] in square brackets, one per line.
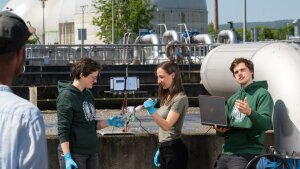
[137, 151]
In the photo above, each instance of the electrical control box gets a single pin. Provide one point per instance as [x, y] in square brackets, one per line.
[124, 84]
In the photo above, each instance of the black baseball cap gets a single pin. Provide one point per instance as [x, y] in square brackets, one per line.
[14, 33]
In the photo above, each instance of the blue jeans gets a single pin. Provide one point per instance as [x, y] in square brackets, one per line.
[233, 161]
[82, 161]
[173, 155]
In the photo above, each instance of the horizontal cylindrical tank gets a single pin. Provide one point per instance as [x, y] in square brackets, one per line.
[146, 39]
[278, 63]
[227, 36]
[202, 38]
[170, 35]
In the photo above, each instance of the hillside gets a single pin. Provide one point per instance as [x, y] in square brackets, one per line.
[273, 24]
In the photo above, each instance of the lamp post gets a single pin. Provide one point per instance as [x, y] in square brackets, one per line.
[43, 6]
[112, 23]
[81, 32]
[288, 31]
[245, 21]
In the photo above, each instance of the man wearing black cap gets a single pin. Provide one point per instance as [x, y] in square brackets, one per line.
[22, 140]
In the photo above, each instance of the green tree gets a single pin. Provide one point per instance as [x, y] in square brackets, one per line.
[269, 33]
[266, 33]
[276, 34]
[211, 31]
[210, 28]
[287, 31]
[240, 34]
[32, 40]
[129, 16]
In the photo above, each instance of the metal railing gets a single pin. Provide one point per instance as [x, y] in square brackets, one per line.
[108, 54]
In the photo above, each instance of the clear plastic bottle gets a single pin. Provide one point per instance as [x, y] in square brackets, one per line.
[134, 125]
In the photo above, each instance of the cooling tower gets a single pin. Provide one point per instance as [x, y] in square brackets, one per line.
[69, 13]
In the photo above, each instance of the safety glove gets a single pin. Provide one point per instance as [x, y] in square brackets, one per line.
[70, 163]
[149, 105]
[156, 160]
[116, 121]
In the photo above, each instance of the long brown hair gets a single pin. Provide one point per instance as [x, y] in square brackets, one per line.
[166, 95]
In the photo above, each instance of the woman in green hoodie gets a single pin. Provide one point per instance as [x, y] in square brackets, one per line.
[76, 118]
[250, 108]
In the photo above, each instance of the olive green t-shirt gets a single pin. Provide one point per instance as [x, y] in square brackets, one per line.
[179, 104]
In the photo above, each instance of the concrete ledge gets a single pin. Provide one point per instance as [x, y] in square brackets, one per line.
[137, 151]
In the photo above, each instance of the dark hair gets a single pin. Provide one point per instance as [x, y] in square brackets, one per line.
[14, 32]
[85, 66]
[170, 67]
[249, 64]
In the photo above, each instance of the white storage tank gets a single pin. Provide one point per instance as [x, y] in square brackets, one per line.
[278, 63]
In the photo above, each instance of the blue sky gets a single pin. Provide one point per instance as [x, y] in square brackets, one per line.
[257, 10]
[2, 3]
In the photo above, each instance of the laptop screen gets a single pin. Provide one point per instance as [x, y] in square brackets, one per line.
[212, 110]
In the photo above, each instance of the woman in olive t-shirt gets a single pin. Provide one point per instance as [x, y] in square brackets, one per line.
[172, 153]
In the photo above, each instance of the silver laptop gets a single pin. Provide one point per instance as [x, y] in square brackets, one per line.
[212, 110]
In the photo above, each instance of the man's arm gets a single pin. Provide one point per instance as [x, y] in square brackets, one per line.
[33, 153]
[262, 118]
[101, 124]
[115, 121]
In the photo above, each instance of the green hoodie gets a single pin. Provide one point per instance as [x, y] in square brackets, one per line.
[251, 140]
[76, 118]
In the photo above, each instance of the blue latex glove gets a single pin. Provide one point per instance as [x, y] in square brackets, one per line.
[265, 163]
[116, 121]
[149, 105]
[70, 163]
[156, 160]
